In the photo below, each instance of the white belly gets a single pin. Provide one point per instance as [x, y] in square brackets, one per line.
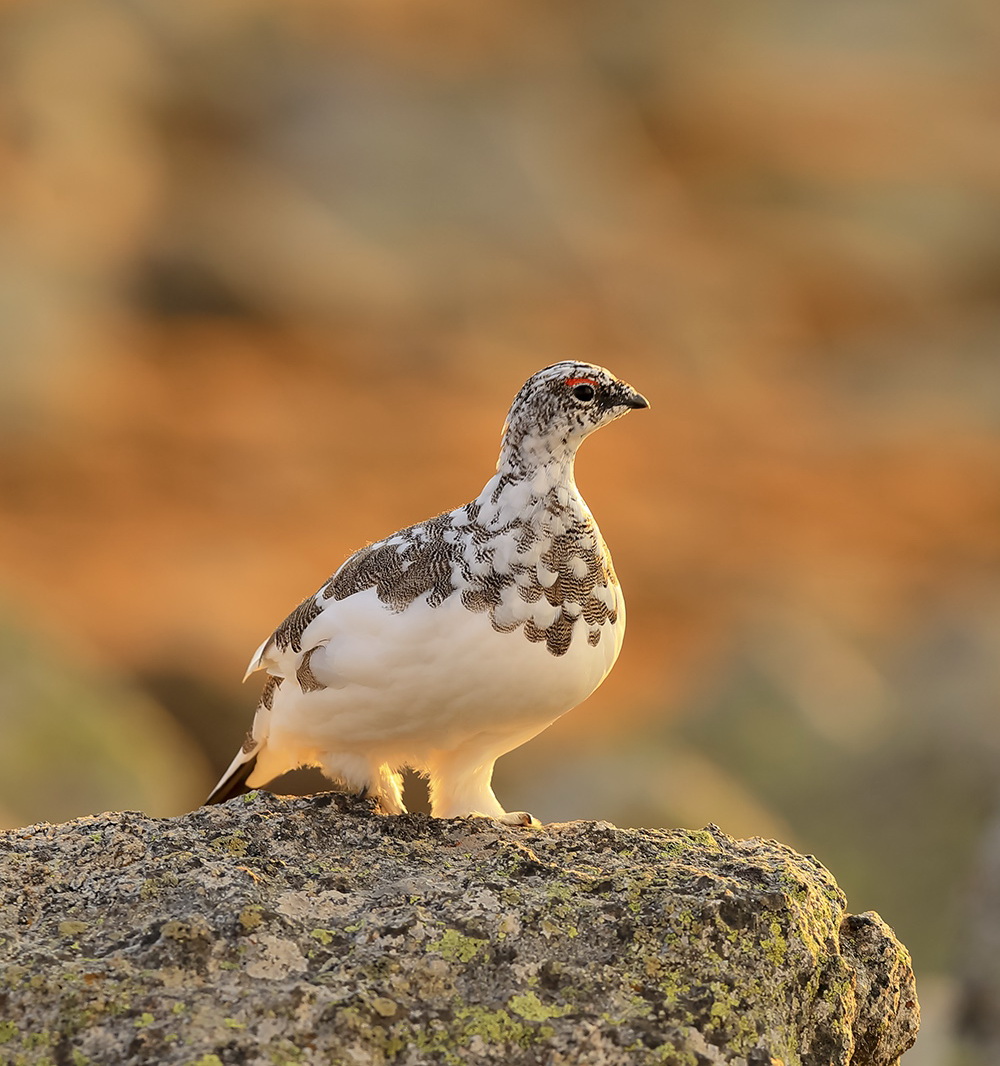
[428, 679]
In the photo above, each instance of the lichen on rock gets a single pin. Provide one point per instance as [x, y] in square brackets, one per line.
[334, 935]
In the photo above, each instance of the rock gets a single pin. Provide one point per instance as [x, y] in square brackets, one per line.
[978, 1001]
[279, 931]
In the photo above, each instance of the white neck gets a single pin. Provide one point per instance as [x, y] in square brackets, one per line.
[531, 481]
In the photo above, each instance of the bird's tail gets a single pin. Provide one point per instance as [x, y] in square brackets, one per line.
[234, 780]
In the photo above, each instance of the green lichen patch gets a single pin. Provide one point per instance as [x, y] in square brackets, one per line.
[250, 917]
[496, 1028]
[456, 947]
[527, 1005]
[72, 929]
[234, 844]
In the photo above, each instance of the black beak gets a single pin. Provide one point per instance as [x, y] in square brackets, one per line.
[633, 399]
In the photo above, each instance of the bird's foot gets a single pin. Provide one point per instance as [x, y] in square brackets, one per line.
[502, 817]
[383, 804]
[519, 818]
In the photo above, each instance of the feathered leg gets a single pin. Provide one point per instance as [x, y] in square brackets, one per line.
[361, 775]
[460, 786]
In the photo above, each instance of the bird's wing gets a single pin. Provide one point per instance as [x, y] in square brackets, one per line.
[401, 568]
[257, 659]
[344, 582]
[288, 635]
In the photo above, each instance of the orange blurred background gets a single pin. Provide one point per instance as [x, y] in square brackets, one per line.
[271, 273]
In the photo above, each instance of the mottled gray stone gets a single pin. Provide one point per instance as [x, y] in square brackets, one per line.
[279, 931]
[978, 1007]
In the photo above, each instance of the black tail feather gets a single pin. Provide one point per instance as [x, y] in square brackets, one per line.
[233, 785]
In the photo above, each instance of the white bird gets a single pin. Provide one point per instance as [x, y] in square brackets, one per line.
[455, 640]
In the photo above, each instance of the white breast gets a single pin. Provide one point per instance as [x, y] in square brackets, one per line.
[427, 678]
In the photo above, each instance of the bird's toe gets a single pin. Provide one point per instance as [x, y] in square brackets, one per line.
[519, 818]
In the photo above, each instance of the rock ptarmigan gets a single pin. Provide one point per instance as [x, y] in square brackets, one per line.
[455, 640]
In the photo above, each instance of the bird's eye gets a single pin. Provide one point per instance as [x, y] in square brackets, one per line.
[584, 393]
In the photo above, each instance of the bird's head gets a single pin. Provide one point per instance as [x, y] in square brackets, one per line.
[560, 406]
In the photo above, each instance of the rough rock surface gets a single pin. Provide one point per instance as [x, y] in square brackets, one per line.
[978, 1014]
[279, 931]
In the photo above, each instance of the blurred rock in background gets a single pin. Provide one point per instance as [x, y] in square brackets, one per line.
[271, 272]
[78, 736]
[978, 999]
